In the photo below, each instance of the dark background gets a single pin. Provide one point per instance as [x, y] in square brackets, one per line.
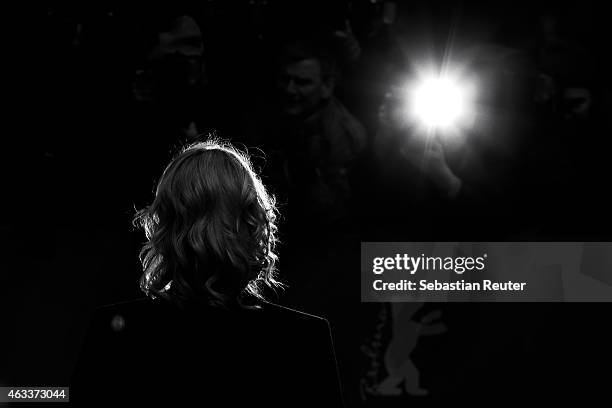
[72, 187]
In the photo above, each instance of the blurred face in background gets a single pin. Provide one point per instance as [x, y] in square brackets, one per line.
[302, 87]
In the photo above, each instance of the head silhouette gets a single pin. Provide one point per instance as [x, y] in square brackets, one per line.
[210, 230]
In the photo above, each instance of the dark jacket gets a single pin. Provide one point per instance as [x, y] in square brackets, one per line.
[147, 351]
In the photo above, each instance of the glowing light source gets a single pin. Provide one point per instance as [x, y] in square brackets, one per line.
[440, 102]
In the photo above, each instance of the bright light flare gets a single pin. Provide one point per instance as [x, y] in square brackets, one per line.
[440, 102]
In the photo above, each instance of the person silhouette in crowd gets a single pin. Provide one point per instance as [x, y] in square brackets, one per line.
[205, 332]
[312, 140]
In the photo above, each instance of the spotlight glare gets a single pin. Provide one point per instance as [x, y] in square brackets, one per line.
[439, 103]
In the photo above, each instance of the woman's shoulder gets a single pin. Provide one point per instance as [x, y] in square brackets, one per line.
[128, 308]
[276, 311]
[142, 344]
[116, 316]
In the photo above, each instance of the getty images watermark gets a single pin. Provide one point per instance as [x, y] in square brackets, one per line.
[486, 271]
[458, 265]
